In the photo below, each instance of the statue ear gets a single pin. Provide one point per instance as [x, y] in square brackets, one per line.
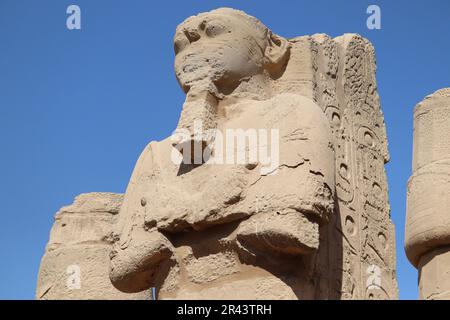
[276, 52]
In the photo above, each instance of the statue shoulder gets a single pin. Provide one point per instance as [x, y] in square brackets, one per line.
[145, 161]
[155, 156]
[299, 105]
[293, 110]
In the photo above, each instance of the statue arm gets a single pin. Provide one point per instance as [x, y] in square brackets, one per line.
[138, 250]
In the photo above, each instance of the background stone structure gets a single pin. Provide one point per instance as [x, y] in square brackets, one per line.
[80, 240]
[427, 236]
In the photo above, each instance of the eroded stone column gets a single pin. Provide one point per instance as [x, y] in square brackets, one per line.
[76, 261]
[427, 237]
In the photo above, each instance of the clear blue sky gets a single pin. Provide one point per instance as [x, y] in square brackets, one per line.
[77, 107]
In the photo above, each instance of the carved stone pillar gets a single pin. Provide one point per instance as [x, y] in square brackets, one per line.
[427, 237]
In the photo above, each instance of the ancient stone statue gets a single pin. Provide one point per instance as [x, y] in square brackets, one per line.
[313, 225]
[427, 236]
[273, 185]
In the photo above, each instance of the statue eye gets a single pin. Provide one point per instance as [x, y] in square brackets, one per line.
[214, 29]
[192, 35]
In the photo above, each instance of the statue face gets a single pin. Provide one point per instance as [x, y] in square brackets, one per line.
[216, 49]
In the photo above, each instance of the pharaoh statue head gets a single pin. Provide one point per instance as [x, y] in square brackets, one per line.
[217, 50]
[214, 53]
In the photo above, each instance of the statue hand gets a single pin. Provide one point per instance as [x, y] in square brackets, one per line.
[136, 263]
[287, 232]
